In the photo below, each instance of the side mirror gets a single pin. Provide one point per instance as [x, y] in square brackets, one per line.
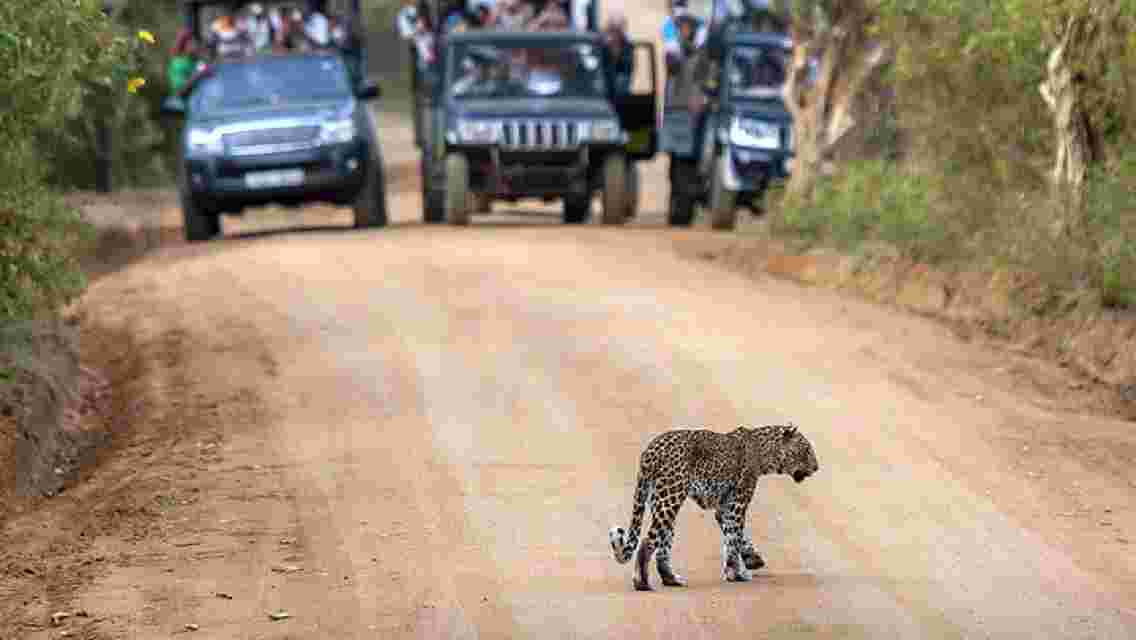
[173, 105]
[369, 90]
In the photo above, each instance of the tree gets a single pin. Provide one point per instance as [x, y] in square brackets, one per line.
[837, 35]
[1086, 36]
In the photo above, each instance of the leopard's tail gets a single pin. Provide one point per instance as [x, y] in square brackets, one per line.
[624, 543]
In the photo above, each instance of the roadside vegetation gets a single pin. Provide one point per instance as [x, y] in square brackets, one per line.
[65, 66]
[972, 135]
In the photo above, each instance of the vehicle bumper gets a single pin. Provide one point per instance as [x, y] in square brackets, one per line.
[333, 173]
[753, 169]
[506, 173]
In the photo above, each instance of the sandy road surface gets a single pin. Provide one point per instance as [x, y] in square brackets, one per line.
[449, 421]
[439, 425]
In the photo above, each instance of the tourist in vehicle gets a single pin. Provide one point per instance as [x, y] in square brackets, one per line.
[227, 40]
[259, 28]
[424, 42]
[316, 24]
[620, 51]
[292, 35]
[484, 15]
[552, 17]
[513, 15]
[406, 20]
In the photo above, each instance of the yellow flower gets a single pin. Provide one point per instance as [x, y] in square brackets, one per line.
[135, 84]
[147, 37]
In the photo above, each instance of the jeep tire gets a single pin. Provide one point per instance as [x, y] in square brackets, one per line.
[433, 209]
[456, 203]
[723, 202]
[577, 209]
[680, 211]
[633, 192]
[615, 193]
[482, 203]
[370, 206]
[200, 223]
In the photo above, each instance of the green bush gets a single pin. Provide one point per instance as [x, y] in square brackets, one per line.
[876, 201]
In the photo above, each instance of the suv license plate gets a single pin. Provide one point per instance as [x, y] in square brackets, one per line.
[267, 179]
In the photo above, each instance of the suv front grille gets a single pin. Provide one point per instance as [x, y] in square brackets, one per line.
[275, 140]
[541, 134]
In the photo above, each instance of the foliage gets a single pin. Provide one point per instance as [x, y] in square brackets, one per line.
[969, 184]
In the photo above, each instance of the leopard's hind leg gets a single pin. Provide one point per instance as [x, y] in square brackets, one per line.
[667, 501]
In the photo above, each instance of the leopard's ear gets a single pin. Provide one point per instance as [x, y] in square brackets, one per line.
[789, 431]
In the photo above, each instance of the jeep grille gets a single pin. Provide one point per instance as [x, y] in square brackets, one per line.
[540, 134]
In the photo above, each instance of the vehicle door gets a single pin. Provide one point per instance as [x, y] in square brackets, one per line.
[638, 110]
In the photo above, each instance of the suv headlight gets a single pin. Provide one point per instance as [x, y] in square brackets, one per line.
[604, 131]
[204, 141]
[337, 131]
[479, 131]
[746, 132]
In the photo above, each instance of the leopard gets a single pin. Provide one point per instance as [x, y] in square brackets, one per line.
[718, 471]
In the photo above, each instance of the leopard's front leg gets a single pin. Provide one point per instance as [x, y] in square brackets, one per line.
[733, 569]
[749, 555]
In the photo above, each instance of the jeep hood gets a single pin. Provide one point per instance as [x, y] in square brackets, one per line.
[533, 108]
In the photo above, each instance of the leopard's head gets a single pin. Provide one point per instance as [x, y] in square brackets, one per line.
[794, 453]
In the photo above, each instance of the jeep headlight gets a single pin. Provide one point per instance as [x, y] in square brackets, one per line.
[604, 131]
[205, 141]
[746, 132]
[337, 131]
[479, 131]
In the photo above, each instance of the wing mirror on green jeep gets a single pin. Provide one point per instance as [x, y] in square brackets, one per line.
[368, 90]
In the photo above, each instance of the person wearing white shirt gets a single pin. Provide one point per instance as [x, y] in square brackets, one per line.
[316, 25]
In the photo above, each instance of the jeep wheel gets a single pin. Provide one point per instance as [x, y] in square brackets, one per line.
[457, 189]
[433, 207]
[680, 212]
[615, 189]
[633, 193]
[723, 202]
[482, 203]
[200, 223]
[371, 203]
[577, 209]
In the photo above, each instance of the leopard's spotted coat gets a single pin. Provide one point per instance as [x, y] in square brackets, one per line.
[718, 471]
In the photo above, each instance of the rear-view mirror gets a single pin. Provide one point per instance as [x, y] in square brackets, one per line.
[369, 90]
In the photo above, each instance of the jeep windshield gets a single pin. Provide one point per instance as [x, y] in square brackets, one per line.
[755, 72]
[271, 82]
[521, 70]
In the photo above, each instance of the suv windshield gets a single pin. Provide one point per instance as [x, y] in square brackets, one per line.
[755, 71]
[271, 82]
[508, 70]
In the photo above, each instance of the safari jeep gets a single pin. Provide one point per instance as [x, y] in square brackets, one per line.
[726, 157]
[533, 115]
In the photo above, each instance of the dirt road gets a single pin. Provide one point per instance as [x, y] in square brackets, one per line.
[426, 432]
